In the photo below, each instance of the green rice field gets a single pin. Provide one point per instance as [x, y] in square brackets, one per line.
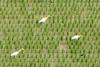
[49, 44]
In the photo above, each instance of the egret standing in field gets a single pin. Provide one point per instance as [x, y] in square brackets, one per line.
[44, 19]
[16, 52]
[76, 37]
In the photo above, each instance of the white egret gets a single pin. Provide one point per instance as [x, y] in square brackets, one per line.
[43, 20]
[16, 52]
[76, 37]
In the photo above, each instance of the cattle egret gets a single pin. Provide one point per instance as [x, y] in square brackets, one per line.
[76, 37]
[43, 20]
[16, 52]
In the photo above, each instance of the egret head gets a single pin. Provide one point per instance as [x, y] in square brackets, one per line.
[22, 48]
[81, 35]
[48, 16]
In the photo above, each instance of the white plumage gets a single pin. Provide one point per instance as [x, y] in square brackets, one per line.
[43, 20]
[76, 37]
[16, 52]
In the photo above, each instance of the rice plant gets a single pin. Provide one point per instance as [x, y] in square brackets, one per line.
[50, 44]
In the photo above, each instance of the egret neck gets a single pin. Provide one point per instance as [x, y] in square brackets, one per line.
[20, 50]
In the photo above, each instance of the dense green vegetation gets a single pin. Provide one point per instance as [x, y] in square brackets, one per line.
[50, 44]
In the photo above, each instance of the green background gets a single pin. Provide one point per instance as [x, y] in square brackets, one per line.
[50, 44]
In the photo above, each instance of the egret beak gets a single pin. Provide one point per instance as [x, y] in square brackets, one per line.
[48, 16]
